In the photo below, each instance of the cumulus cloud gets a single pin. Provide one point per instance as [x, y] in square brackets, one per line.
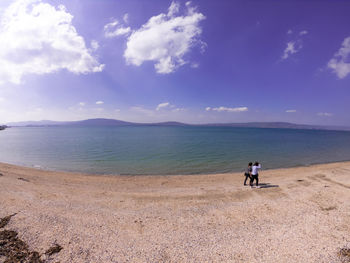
[82, 103]
[178, 109]
[99, 102]
[126, 18]
[226, 109]
[163, 105]
[122, 31]
[325, 114]
[94, 45]
[291, 111]
[290, 49]
[38, 38]
[110, 26]
[173, 9]
[194, 65]
[165, 39]
[340, 63]
[293, 46]
[114, 29]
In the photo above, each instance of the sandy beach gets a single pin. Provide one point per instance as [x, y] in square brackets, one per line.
[298, 215]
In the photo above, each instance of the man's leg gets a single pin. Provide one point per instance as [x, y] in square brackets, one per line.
[246, 178]
[251, 180]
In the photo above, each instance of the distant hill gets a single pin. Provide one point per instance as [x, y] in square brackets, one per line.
[279, 125]
[99, 122]
[91, 122]
[36, 123]
[115, 123]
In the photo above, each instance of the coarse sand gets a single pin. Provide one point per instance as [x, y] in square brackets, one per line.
[298, 215]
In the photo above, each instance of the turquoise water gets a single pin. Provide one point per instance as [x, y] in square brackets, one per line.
[168, 150]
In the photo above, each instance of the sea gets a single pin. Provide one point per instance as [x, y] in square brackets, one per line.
[168, 150]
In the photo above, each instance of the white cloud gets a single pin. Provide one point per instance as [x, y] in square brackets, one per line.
[110, 26]
[122, 31]
[339, 63]
[194, 65]
[99, 102]
[163, 105]
[291, 111]
[325, 114]
[38, 38]
[226, 109]
[293, 46]
[94, 45]
[114, 29]
[126, 18]
[117, 110]
[178, 109]
[165, 39]
[82, 103]
[290, 49]
[173, 8]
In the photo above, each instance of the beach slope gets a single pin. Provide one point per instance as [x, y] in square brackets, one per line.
[298, 215]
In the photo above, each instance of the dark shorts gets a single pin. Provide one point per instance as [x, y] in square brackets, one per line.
[255, 176]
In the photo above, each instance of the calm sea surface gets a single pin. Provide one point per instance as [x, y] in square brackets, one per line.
[168, 150]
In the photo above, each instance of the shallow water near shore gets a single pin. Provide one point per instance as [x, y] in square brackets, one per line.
[168, 150]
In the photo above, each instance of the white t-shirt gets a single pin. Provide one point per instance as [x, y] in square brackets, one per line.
[255, 169]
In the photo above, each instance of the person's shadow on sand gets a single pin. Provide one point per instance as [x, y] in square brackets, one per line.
[267, 185]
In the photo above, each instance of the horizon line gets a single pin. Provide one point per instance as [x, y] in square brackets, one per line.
[184, 123]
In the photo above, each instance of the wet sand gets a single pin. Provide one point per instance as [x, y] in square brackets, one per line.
[298, 215]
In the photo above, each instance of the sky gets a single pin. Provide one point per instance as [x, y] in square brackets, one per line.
[200, 61]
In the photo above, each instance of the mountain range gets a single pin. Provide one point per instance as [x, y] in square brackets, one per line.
[114, 123]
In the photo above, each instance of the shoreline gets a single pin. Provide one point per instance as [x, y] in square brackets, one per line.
[298, 215]
[46, 169]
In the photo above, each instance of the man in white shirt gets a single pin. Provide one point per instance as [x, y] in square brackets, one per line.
[255, 174]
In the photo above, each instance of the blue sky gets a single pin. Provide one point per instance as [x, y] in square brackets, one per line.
[195, 62]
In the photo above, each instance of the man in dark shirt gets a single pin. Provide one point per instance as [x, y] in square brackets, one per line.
[248, 173]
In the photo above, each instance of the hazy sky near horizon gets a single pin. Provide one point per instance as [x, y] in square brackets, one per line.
[196, 62]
